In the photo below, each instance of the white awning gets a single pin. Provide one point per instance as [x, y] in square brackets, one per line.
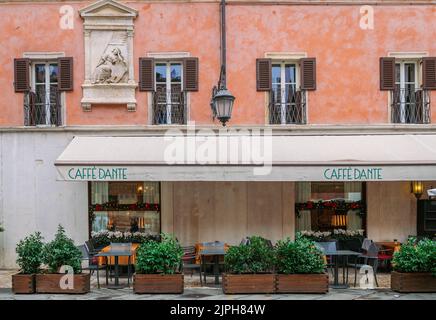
[249, 158]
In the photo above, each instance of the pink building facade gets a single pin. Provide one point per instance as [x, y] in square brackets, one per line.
[76, 74]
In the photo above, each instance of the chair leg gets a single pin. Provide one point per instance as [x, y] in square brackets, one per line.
[375, 272]
[355, 273]
[128, 272]
[98, 278]
[107, 271]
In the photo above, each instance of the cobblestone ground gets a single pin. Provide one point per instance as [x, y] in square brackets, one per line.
[193, 291]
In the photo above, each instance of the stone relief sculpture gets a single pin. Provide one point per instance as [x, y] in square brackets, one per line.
[108, 42]
[112, 68]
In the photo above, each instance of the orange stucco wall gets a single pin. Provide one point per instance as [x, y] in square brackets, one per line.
[347, 56]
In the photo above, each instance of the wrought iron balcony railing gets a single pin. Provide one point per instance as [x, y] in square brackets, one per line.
[169, 107]
[287, 106]
[410, 106]
[42, 108]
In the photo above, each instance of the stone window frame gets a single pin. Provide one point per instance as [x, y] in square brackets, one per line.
[49, 56]
[167, 56]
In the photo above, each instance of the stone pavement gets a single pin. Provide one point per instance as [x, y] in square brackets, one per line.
[211, 292]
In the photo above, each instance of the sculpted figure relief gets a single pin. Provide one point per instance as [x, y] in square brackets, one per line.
[112, 68]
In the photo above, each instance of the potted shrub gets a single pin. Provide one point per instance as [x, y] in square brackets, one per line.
[29, 259]
[157, 266]
[249, 267]
[414, 267]
[300, 267]
[56, 254]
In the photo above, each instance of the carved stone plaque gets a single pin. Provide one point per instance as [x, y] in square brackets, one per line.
[108, 36]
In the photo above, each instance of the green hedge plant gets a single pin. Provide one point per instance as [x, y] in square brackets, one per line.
[29, 253]
[154, 257]
[62, 251]
[257, 256]
[416, 256]
[300, 256]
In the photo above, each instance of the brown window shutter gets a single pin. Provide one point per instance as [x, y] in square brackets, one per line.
[65, 81]
[21, 75]
[263, 74]
[146, 74]
[308, 74]
[429, 73]
[387, 73]
[190, 74]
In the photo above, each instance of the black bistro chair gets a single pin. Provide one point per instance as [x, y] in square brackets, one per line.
[369, 257]
[189, 261]
[92, 264]
[326, 247]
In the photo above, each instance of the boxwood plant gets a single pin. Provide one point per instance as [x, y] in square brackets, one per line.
[257, 256]
[29, 253]
[163, 257]
[416, 256]
[300, 256]
[62, 251]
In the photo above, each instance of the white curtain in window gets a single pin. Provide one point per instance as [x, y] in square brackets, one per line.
[100, 192]
[353, 192]
[303, 194]
[151, 192]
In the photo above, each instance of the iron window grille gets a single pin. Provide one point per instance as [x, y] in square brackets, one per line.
[287, 106]
[42, 107]
[410, 106]
[169, 106]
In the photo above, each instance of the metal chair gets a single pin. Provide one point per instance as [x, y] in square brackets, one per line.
[91, 248]
[92, 266]
[188, 261]
[371, 255]
[326, 247]
[366, 243]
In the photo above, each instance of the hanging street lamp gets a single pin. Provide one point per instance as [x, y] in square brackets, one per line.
[222, 99]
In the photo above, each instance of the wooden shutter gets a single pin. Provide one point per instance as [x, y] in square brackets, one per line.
[65, 81]
[263, 75]
[146, 74]
[21, 75]
[387, 73]
[190, 74]
[429, 73]
[308, 74]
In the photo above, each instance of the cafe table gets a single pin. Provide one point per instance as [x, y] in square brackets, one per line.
[337, 255]
[117, 254]
[122, 261]
[216, 253]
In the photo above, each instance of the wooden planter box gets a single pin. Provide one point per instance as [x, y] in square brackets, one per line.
[158, 283]
[23, 283]
[302, 283]
[49, 283]
[413, 282]
[249, 283]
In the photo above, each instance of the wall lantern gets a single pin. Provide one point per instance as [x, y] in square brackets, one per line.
[222, 100]
[417, 188]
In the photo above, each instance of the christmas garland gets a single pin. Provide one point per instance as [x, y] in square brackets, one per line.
[338, 205]
[114, 206]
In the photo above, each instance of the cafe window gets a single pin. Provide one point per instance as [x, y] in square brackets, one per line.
[125, 207]
[325, 206]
